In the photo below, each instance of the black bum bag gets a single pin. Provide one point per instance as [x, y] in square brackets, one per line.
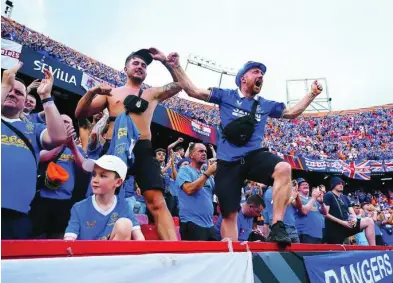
[239, 131]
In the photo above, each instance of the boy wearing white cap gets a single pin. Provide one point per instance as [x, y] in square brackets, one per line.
[104, 215]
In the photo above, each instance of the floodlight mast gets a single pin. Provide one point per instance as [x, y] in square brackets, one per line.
[210, 65]
[322, 103]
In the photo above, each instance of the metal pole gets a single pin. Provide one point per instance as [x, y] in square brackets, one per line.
[219, 84]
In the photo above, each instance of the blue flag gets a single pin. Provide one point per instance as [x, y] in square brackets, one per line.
[351, 267]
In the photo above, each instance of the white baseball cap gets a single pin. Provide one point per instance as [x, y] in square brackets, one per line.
[107, 162]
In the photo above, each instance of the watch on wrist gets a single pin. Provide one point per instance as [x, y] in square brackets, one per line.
[45, 100]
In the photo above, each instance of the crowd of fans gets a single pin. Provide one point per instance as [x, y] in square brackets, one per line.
[51, 48]
[362, 136]
[365, 135]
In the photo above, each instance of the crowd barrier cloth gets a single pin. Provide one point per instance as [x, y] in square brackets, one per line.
[150, 268]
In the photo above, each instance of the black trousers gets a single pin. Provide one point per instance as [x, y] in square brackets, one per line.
[189, 231]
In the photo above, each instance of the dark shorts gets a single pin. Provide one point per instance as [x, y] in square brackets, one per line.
[15, 225]
[189, 231]
[50, 216]
[336, 233]
[257, 166]
[146, 168]
[307, 239]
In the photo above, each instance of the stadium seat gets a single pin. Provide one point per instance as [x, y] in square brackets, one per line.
[177, 221]
[150, 232]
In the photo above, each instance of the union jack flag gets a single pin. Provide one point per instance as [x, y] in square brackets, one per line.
[357, 169]
[388, 165]
[377, 167]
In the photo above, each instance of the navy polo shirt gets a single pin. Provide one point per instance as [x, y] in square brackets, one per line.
[234, 105]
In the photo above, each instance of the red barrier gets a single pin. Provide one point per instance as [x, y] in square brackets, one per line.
[60, 248]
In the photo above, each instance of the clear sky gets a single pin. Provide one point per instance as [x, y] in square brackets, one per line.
[350, 43]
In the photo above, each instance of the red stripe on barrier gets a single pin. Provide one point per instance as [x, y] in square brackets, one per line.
[60, 248]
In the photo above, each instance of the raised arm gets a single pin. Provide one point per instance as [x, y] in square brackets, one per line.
[192, 187]
[93, 102]
[310, 204]
[175, 143]
[56, 133]
[185, 82]
[293, 112]
[46, 155]
[8, 81]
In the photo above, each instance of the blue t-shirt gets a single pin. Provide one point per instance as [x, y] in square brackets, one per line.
[89, 222]
[244, 226]
[233, 106]
[289, 216]
[19, 169]
[310, 224]
[198, 207]
[35, 118]
[67, 161]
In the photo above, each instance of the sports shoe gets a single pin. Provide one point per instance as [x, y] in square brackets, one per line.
[279, 235]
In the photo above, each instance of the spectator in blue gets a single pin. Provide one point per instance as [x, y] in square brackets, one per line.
[294, 204]
[104, 215]
[195, 196]
[51, 211]
[309, 218]
[23, 141]
[360, 237]
[246, 218]
[239, 154]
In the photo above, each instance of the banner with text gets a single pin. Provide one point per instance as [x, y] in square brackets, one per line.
[350, 267]
[357, 169]
[177, 122]
[10, 53]
[65, 76]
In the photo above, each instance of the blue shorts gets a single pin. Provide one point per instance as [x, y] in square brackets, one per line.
[15, 225]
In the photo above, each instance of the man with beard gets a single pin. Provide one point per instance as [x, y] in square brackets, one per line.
[240, 155]
[146, 169]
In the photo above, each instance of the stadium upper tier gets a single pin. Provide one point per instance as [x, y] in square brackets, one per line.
[348, 135]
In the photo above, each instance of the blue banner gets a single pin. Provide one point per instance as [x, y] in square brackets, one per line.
[65, 76]
[351, 267]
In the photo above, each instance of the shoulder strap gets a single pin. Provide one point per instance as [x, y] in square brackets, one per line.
[339, 206]
[22, 137]
[140, 92]
[254, 108]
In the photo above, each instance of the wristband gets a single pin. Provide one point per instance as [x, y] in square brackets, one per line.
[206, 175]
[45, 100]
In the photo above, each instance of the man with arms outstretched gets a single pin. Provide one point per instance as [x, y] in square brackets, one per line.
[146, 169]
[247, 161]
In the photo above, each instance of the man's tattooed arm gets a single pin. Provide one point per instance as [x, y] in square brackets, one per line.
[168, 91]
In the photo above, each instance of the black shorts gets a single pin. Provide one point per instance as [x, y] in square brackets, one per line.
[189, 231]
[336, 233]
[257, 166]
[50, 216]
[146, 168]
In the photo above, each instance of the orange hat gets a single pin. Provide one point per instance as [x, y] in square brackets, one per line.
[55, 176]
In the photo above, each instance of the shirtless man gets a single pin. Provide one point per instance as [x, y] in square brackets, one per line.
[146, 170]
